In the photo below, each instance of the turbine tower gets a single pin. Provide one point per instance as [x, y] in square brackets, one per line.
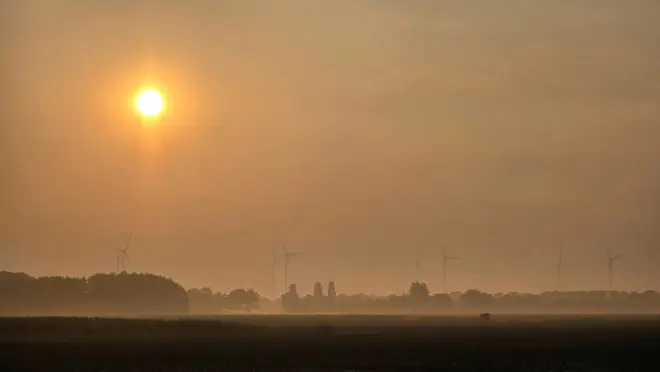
[445, 258]
[122, 259]
[559, 267]
[273, 267]
[287, 258]
[610, 267]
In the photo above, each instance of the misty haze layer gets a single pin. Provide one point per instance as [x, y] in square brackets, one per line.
[365, 133]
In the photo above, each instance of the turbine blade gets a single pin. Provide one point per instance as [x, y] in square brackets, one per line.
[128, 242]
[607, 253]
[286, 251]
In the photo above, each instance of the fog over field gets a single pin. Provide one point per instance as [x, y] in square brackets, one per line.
[367, 134]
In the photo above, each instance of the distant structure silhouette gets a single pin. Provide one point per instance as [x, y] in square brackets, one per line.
[332, 292]
[291, 299]
[122, 258]
[610, 267]
[287, 258]
[445, 259]
[318, 290]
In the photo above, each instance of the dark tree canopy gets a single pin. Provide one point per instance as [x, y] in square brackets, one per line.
[101, 294]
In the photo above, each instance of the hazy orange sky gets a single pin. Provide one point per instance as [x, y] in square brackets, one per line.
[361, 131]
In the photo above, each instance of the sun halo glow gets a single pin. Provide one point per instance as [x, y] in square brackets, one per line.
[149, 102]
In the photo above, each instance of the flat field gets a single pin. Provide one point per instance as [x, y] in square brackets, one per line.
[332, 343]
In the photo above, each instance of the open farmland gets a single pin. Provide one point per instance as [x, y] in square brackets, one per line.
[326, 342]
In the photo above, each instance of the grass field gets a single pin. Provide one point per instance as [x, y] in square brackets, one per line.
[331, 342]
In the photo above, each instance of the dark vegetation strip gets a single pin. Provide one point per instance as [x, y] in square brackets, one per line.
[555, 333]
[326, 343]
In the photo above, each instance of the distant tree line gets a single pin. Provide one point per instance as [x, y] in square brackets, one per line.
[420, 299]
[205, 301]
[101, 294]
[146, 294]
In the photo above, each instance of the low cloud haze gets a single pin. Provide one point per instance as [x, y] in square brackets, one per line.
[365, 133]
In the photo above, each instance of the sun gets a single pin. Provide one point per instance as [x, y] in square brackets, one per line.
[149, 102]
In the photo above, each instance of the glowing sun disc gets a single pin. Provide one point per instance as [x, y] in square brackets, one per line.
[149, 102]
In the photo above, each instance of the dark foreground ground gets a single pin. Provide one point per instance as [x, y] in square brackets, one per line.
[323, 343]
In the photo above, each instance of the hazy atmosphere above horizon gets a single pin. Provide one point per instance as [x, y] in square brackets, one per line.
[367, 134]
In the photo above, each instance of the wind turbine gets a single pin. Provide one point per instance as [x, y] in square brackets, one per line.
[610, 267]
[445, 258]
[287, 258]
[122, 259]
[273, 267]
[418, 264]
[559, 267]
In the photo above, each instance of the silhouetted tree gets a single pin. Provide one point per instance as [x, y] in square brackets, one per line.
[16, 293]
[246, 300]
[475, 298]
[124, 294]
[419, 290]
[419, 295]
[136, 294]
